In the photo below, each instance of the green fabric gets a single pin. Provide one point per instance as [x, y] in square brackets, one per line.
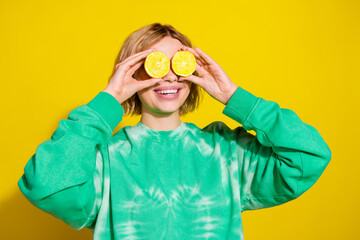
[187, 183]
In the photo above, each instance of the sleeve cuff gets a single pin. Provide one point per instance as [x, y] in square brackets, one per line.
[108, 108]
[240, 105]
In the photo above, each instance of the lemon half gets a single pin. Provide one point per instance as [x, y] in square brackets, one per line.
[183, 63]
[157, 64]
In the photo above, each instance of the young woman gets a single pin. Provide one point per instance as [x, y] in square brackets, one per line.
[164, 178]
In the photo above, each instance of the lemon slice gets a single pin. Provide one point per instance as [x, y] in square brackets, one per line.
[183, 63]
[157, 64]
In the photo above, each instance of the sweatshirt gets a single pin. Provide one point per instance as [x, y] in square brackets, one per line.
[186, 183]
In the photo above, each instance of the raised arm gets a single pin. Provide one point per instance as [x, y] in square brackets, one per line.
[283, 160]
[64, 176]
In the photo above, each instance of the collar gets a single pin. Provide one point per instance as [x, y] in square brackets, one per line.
[143, 131]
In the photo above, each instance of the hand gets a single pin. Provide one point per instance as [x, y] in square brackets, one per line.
[212, 78]
[122, 85]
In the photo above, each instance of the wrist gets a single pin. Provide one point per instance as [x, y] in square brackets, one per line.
[114, 94]
[230, 94]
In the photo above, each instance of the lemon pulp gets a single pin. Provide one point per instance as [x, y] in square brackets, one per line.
[157, 64]
[183, 63]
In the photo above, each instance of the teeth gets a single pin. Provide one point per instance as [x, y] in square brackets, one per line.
[168, 91]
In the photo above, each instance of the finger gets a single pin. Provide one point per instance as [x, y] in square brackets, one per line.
[191, 78]
[207, 58]
[186, 48]
[148, 83]
[135, 67]
[123, 63]
[125, 69]
[200, 63]
[141, 53]
[201, 70]
[136, 57]
[127, 64]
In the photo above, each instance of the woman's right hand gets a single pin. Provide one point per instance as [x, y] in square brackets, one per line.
[122, 85]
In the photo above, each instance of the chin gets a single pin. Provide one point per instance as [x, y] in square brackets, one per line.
[167, 107]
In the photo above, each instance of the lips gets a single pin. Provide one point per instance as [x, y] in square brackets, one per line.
[169, 97]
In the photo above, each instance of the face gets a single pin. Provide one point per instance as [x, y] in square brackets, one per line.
[153, 102]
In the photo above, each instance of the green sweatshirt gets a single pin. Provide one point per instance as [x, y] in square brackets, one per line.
[187, 183]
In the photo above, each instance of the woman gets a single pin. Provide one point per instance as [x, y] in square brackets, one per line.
[163, 178]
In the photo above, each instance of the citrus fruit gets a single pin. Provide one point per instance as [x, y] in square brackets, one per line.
[157, 64]
[183, 63]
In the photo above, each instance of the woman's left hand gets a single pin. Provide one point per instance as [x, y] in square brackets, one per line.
[212, 78]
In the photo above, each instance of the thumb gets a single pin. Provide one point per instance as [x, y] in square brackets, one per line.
[190, 78]
[149, 82]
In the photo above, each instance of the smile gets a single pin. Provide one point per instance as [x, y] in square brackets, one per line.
[168, 94]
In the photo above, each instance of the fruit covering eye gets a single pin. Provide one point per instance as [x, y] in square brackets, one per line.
[157, 64]
[183, 63]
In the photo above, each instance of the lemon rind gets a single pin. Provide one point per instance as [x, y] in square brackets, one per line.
[190, 58]
[165, 64]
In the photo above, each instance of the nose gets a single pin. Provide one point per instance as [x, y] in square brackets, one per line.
[170, 76]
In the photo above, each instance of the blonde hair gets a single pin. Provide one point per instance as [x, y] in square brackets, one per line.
[141, 40]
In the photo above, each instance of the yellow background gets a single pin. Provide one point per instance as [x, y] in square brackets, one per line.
[302, 54]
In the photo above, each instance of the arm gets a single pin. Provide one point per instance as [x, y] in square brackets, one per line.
[283, 160]
[64, 176]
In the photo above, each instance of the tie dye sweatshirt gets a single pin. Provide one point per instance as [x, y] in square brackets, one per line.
[186, 183]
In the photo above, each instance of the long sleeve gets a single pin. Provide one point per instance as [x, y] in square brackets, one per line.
[64, 176]
[283, 160]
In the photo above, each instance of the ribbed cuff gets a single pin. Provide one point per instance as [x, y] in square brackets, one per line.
[240, 105]
[108, 107]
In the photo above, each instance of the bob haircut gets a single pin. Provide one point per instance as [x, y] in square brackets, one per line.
[141, 40]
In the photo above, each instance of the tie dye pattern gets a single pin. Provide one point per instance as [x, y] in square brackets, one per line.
[187, 183]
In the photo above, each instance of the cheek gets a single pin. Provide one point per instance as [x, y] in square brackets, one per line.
[189, 87]
[186, 92]
[144, 94]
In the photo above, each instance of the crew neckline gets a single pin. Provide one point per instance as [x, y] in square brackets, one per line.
[149, 133]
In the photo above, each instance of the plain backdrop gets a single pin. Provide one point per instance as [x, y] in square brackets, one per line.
[302, 54]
